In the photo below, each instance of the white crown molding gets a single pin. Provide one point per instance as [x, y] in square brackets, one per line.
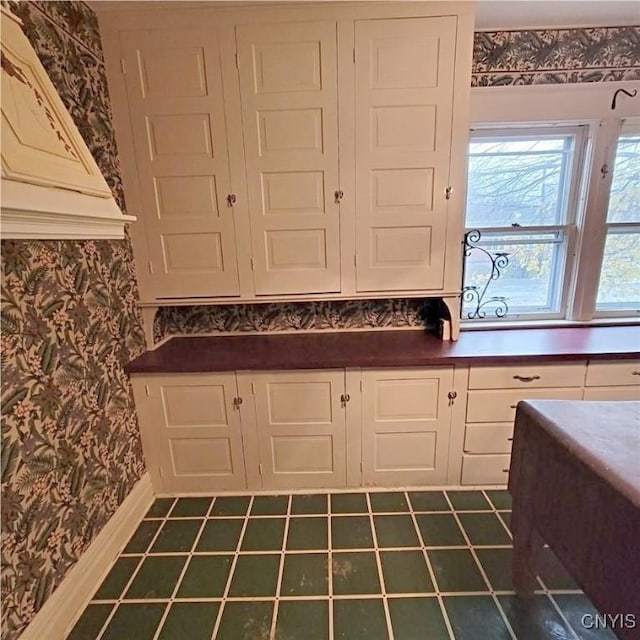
[30, 211]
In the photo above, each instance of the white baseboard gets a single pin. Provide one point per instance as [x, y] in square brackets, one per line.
[60, 612]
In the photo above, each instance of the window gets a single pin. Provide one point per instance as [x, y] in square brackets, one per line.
[553, 206]
[522, 196]
[619, 285]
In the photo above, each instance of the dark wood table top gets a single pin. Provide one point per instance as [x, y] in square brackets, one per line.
[390, 348]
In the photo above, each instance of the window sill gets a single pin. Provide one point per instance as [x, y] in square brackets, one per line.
[548, 324]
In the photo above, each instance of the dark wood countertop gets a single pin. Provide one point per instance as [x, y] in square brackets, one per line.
[399, 348]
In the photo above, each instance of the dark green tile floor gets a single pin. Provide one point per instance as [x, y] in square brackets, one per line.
[417, 565]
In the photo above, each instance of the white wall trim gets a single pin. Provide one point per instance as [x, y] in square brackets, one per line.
[60, 612]
[566, 103]
[29, 211]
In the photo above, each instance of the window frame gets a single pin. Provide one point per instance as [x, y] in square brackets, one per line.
[567, 230]
[627, 126]
[587, 104]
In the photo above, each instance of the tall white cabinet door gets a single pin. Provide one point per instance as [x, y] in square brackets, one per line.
[196, 430]
[301, 429]
[404, 97]
[174, 88]
[406, 421]
[288, 84]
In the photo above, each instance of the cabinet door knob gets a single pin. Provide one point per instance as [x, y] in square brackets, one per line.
[452, 395]
[338, 195]
[231, 199]
[526, 378]
[344, 398]
[237, 401]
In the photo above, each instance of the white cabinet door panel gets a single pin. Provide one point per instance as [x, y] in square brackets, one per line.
[301, 428]
[197, 431]
[288, 84]
[404, 94]
[174, 86]
[406, 421]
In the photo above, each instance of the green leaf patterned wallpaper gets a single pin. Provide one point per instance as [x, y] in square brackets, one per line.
[71, 447]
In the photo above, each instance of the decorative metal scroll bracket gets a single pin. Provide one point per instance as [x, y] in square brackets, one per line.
[631, 94]
[476, 295]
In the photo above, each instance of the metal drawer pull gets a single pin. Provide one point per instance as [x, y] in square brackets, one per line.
[513, 406]
[526, 378]
[635, 373]
[505, 471]
[509, 439]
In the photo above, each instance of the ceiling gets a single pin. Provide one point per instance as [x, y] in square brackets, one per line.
[518, 14]
[490, 14]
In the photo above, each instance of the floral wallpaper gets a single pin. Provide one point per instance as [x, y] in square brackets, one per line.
[296, 316]
[554, 56]
[71, 449]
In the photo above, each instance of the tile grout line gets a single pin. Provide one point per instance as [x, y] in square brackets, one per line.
[276, 604]
[432, 574]
[143, 557]
[232, 569]
[481, 568]
[376, 552]
[330, 566]
[187, 564]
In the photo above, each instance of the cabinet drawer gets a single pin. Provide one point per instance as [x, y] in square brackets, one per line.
[485, 469]
[612, 374]
[527, 376]
[488, 438]
[612, 393]
[500, 406]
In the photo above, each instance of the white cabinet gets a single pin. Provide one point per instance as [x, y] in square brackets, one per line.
[618, 380]
[289, 94]
[492, 397]
[337, 130]
[406, 416]
[288, 430]
[301, 428]
[177, 114]
[403, 107]
[191, 431]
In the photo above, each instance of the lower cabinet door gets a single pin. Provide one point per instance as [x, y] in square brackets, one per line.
[195, 432]
[301, 428]
[406, 422]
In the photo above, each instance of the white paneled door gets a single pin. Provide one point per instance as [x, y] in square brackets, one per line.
[174, 87]
[404, 96]
[301, 428]
[405, 426]
[195, 428]
[288, 84]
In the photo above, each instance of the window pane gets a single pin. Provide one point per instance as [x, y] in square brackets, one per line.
[620, 275]
[624, 202]
[527, 284]
[518, 180]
